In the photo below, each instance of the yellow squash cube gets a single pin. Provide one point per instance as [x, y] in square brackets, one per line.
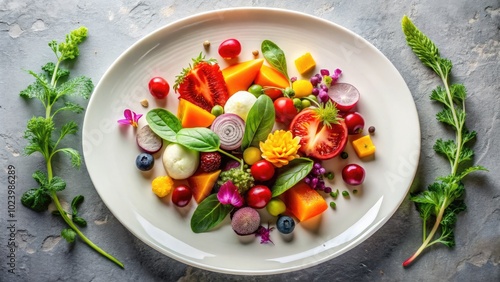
[364, 146]
[305, 63]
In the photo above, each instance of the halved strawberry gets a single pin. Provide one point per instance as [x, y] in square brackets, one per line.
[202, 84]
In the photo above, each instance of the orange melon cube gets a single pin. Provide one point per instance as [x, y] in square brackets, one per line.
[364, 146]
[269, 76]
[201, 184]
[192, 115]
[241, 76]
[303, 202]
[305, 63]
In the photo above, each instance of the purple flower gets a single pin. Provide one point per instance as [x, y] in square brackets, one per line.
[228, 195]
[265, 234]
[131, 118]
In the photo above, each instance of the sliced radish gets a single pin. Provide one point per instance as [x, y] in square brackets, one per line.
[345, 95]
[148, 141]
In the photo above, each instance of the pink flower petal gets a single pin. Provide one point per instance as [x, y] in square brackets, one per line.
[228, 195]
[128, 114]
[124, 121]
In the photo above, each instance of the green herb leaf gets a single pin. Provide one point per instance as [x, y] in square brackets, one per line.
[79, 221]
[199, 139]
[56, 184]
[68, 234]
[80, 86]
[275, 57]
[75, 203]
[291, 174]
[259, 123]
[209, 213]
[36, 199]
[50, 67]
[76, 158]
[164, 124]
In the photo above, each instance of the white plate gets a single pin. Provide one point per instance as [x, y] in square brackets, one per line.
[386, 103]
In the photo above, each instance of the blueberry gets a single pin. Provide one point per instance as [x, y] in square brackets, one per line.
[144, 161]
[285, 224]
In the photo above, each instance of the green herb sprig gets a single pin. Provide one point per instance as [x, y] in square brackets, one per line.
[45, 137]
[443, 199]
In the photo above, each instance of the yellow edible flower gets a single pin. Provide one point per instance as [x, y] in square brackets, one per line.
[162, 186]
[280, 147]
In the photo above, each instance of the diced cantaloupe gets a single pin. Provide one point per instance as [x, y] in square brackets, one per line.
[363, 146]
[241, 76]
[191, 115]
[269, 76]
[305, 63]
[303, 202]
[201, 184]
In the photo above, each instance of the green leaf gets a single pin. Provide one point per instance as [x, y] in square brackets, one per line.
[40, 178]
[50, 67]
[447, 148]
[36, 199]
[76, 159]
[468, 136]
[34, 90]
[446, 116]
[56, 184]
[458, 92]
[465, 155]
[291, 174]
[70, 106]
[209, 213]
[470, 170]
[421, 45]
[164, 124]
[68, 234]
[439, 94]
[75, 203]
[68, 128]
[38, 133]
[274, 56]
[259, 123]
[80, 86]
[79, 221]
[199, 139]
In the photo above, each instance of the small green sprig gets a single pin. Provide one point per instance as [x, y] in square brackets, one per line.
[46, 138]
[442, 201]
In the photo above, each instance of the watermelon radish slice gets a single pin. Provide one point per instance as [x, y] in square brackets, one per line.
[345, 95]
[148, 141]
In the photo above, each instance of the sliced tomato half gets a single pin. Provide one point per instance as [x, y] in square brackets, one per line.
[316, 139]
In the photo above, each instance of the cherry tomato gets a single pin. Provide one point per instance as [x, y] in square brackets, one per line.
[258, 196]
[353, 174]
[285, 110]
[262, 170]
[181, 195]
[316, 140]
[158, 87]
[229, 48]
[354, 122]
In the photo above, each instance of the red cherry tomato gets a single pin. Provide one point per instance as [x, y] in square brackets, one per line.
[258, 196]
[229, 48]
[354, 122]
[181, 195]
[158, 87]
[285, 110]
[353, 174]
[262, 170]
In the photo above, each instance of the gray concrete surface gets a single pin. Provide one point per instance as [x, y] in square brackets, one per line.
[467, 32]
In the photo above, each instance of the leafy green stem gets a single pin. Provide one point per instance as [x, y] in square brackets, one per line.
[231, 156]
[70, 223]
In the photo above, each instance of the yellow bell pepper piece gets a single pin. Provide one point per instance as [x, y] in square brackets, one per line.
[364, 146]
[305, 63]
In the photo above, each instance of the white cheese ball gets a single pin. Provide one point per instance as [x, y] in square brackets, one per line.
[179, 161]
[240, 103]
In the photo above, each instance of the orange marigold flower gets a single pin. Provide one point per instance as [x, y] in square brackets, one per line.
[280, 147]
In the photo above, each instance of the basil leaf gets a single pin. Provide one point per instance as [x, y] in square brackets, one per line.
[199, 139]
[274, 56]
[209, 213]
[291, 174]
[164, 124]
[260, 122]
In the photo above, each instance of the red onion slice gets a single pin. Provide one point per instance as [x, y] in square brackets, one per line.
[230, 129]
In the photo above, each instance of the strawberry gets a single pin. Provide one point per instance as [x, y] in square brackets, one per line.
[210, 161]
[202, 84]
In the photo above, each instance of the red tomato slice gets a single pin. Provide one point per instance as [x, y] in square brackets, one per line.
[317, 140]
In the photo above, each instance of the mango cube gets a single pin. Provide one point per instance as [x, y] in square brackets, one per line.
[305, 63]
[364, 146]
